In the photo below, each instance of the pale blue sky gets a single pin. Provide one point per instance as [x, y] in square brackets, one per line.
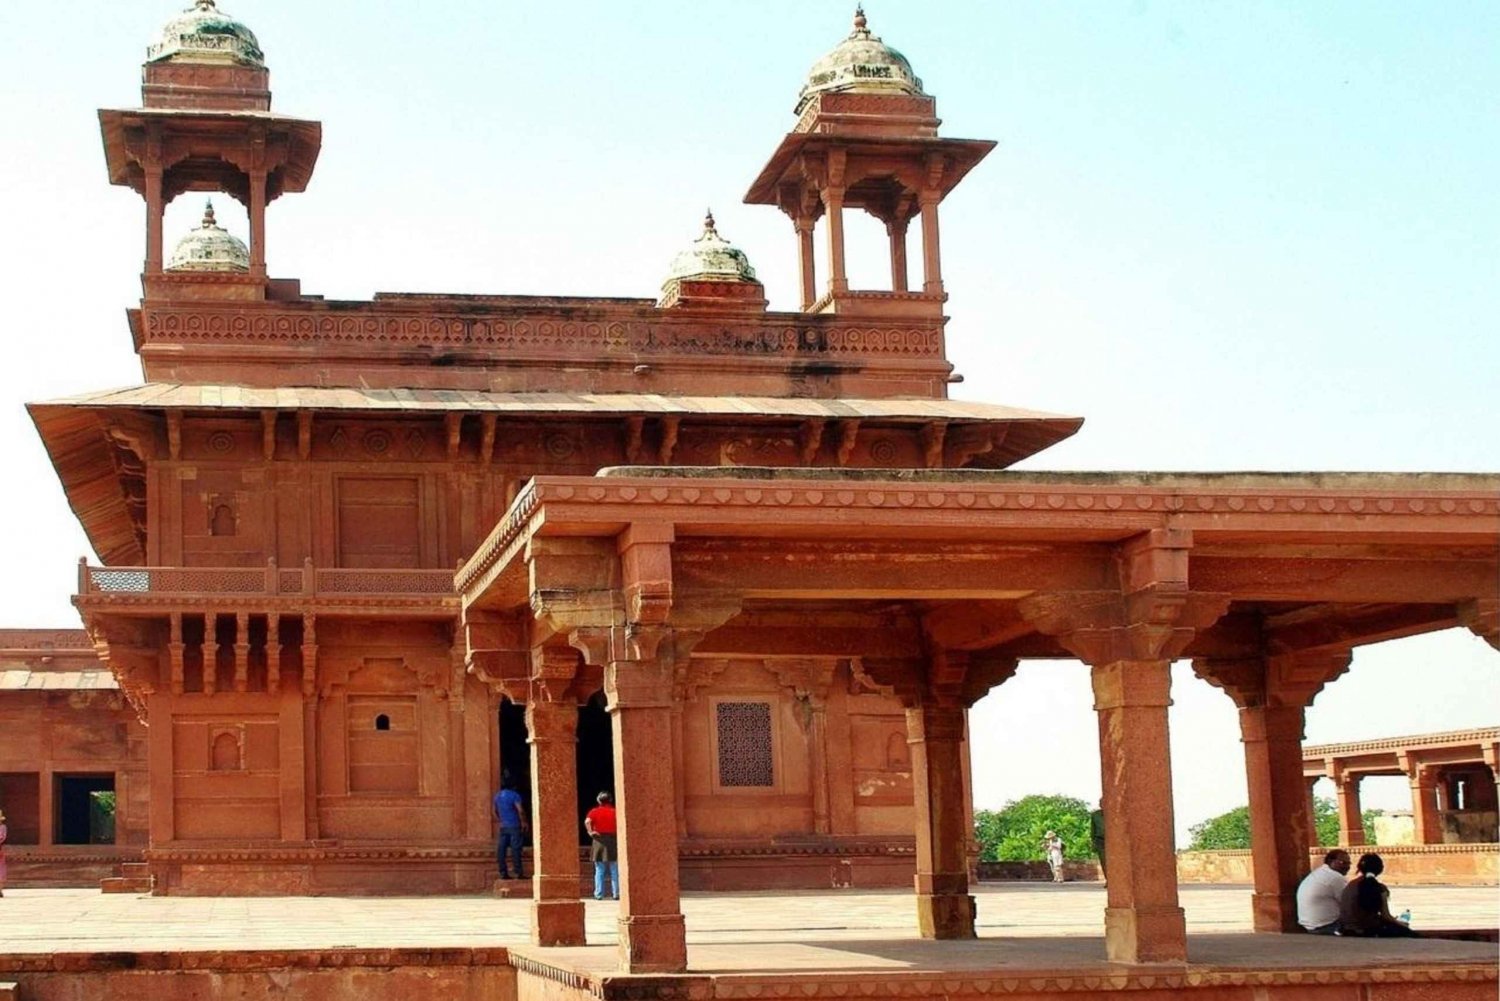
[1230, 235]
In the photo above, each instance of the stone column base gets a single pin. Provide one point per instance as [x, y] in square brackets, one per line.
[557, 922]
[653, 943]
[1145, 935]
[945, 915]
[1274, 912]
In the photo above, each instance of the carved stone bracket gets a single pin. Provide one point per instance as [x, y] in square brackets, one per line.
[1292, 680]
[1102, 627]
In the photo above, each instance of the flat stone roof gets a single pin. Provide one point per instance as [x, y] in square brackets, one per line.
[1247, 480]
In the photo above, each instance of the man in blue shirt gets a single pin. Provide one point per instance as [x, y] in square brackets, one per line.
[509, 809]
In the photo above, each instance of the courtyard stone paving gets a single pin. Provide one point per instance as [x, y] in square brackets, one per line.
[804, 929]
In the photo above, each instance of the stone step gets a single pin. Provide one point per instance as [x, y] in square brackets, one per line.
[124, 884]
[8, 991]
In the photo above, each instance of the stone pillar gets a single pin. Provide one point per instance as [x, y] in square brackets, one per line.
[932, 267]
[1272, 693]
[1311, 781]
[653, 935]
[1426, 828]
[945, 910]
[838, 279]
[154, 209]
[817, 753]
[896, 230]
[258, 223]
[552, 728]
[806, 260]
[1143, 921]
[1351, 817]
[242, 651]
[1280, 824]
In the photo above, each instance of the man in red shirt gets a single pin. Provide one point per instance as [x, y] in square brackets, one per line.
[600, 823]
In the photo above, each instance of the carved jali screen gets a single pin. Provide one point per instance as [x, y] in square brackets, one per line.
[744, 730]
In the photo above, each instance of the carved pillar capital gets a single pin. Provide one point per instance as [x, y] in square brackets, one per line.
[1290, 680]
[1101, 627]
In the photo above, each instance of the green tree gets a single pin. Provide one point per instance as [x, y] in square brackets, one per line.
[1232, 830]
[1225, 832]
[1014, 832]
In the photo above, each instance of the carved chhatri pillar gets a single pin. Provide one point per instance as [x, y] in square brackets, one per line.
[552, 728]
[896, 230]
[1351, 816]
[1272, 694]
[945, 909]
[1129, 637]
[806, 261]
[653, 936]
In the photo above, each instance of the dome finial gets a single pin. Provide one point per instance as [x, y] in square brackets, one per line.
[208, 205]
[204, 4]
[859, 18]
[708, 222]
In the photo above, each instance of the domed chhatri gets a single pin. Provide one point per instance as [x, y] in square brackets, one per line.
[205, 34]
[711, 258]
[210, 247]
[711, 272]
[861, 63]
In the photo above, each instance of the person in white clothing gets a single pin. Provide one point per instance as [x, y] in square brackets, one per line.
[1318, 894]
[1053, 845]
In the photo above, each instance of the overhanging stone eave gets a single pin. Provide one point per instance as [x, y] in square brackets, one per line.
[74, 440]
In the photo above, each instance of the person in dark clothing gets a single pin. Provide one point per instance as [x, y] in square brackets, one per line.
[1364, 908]
[510, 810]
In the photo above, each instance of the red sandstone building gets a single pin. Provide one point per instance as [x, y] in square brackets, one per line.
[746, 568]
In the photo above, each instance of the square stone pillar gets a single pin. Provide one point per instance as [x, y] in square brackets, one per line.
[653, 935]
[1280, 824]
[1143, 921]
[1426, 826]
[944, 907]
[556, 910]
[1351, 816]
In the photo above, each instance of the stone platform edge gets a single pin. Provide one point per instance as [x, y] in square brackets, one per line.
[935, 984]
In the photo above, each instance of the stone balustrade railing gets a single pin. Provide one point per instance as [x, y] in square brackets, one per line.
[308, 580]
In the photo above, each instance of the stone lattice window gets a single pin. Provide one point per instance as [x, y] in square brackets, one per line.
[744, 744]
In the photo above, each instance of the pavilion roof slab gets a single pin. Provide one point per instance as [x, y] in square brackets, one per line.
[1351, 538]
[1417, 742]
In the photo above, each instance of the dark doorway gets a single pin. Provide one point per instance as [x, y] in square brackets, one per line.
[596, 757]
[515, 753]
[85, 809]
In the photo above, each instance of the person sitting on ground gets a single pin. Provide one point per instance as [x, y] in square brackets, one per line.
[1320, 893]
[1365, 909]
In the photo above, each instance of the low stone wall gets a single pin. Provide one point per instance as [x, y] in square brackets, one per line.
[1410, 865]
[310, 975]
[1038, 872]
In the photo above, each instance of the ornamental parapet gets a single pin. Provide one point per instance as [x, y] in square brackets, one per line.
[464, 336]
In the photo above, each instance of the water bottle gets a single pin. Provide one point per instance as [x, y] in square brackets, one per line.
[1405, 917]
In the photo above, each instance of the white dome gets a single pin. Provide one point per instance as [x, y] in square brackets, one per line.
[210, 248]
[860, 64]
[203, 33]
